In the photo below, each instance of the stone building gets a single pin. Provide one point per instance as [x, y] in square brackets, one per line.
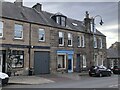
[47, 42]
[113, 57]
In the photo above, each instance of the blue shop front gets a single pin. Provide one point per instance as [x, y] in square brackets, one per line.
[65, 60]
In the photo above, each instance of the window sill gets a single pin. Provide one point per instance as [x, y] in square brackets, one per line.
[81, 47]
[70, 45]
[41, 41]
[61, 69]
[61, 45]
[17, 39]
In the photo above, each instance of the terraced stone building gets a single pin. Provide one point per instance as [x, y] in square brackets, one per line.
[47, 42]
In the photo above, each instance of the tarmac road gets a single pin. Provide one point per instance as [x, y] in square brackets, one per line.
[83, 82]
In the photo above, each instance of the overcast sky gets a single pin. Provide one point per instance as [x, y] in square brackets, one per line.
[108, 10]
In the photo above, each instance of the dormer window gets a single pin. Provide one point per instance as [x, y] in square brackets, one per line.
[59, 19]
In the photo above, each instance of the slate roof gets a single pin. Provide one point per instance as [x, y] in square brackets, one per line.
[12, 11]
[113, 51]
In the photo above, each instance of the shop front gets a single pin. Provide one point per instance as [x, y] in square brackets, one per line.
[65, 60]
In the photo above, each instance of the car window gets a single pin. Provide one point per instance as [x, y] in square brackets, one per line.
[115, 66]
[102, 67]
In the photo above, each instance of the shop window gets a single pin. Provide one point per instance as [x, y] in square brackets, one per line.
[18, 59]
[41, 35]
[69, 39]
[61, 39]
[1, 29]
[61, 62]
[18, 31]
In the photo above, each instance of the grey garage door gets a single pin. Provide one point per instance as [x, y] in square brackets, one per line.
[41, 63]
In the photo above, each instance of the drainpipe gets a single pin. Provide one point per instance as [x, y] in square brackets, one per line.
[29, 49]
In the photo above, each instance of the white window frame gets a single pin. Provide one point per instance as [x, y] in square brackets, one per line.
[1, 28]
[19, 31]
[81, 41]
[95, 42]
[70, 37]
[43, 30]
[61, 35]
[58, 20]
[60, 54]
[91, 25]
[84, 61]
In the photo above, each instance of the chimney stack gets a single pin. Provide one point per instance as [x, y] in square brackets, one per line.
[87, 21]
[38, 7]
[19, 3]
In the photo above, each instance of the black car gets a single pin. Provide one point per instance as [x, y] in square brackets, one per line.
[99, 71]
[116, 70]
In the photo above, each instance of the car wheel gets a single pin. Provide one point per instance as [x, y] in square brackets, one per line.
[100, 74]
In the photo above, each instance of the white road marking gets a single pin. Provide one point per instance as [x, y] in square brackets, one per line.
[113, 86]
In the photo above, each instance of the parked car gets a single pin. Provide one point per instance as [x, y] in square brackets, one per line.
[116, 70]
[4, 78]
[99, 71]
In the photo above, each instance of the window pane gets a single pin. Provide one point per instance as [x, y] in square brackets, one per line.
[79, 41]
[18, 34]
[1, 28]
[60, 41]
[60, 34]
[84, 61]
[58, 20]
[95, 42]
[61, 61]
[1, 24]
[1, 32]
[18, 31]
[61, 38]
[69, 39]
[41, 35]
[63, 21]
[83, 43]
[100, 43]
[18, 27]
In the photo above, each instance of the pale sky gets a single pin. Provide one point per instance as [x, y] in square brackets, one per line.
[108, 10]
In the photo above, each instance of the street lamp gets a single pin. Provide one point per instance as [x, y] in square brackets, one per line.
[93, 29]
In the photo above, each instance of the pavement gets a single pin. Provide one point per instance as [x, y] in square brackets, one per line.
[33, 80]
[42, 79]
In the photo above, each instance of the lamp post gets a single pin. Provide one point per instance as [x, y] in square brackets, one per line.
[93, 29]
